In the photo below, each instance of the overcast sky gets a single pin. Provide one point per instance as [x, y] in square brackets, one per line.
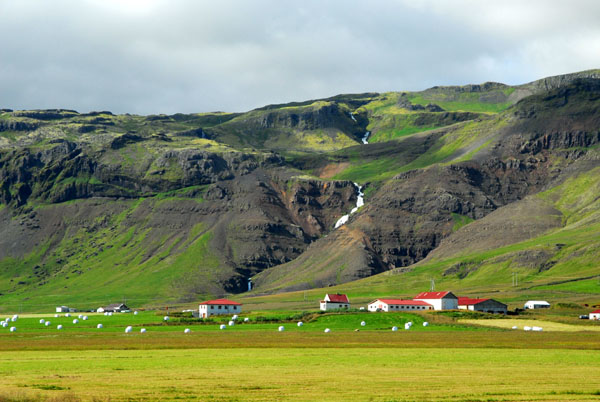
[155, 56]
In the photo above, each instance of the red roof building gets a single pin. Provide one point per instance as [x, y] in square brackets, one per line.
[439, 300]
[595, 315]
[334, 302]
[219, 307]
[398, 305]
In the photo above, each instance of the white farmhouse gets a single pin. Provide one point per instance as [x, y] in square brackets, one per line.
[483, 305]
[62, 309]
[335, 302]
[595, 315]
[439, 300]
[533, 304]
[219, 307]
[398, 305]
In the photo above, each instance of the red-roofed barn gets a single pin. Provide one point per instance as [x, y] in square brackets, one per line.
[595, 315]
[483, 305]
[439, 300]
[335, 302]
[219, 306]
[398, 305]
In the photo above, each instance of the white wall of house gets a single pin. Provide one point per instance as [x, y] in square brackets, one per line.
[595, 316]
[445, 303]
[206, 310]
[382, 306]
[325, 306]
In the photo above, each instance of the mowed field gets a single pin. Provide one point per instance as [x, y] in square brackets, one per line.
[445, 361]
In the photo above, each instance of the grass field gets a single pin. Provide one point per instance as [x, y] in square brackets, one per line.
[446, 361]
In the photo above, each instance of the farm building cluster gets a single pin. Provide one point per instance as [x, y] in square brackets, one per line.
[423, 301]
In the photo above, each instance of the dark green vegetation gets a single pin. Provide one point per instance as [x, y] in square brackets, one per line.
[468, 186]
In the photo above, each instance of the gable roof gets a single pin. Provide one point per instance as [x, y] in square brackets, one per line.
[434, 295]
[115, 305]
[225, 302]
[595, 312]
[467, 301]
[337, 298]
[402, 302]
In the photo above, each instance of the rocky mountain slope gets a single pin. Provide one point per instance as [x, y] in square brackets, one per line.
[158, 209]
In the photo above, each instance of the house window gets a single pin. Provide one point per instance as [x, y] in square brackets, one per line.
[235, 307]
[220, 307]
[212, 307]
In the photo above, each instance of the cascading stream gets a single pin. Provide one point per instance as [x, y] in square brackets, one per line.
[360, 201]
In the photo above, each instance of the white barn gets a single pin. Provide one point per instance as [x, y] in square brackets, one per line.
[533, 304]
[439, 300]
[334, 302]
[483, 305]
[219, 307]
[398, 305]
[595, 315]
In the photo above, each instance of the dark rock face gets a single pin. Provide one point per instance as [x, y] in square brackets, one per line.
[12, 125]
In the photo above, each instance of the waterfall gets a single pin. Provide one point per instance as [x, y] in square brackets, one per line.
[360, 201]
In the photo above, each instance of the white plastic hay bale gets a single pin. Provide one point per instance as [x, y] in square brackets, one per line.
[406, 326]
[15, 317]
[84, 318]
[42, 321]
[515, 327]
[136, 313]
[362, 323]
[143, 330]
[300, 323]
[394, 328]
[67, 315]
[246, 319]
[166, 318]
[128, 329]
[13, 329]
[425, 324]
[47, 323]
[59, 326]
[222, 326]
[55, 315]
[361, 309]
[231, 323]
[281, 328]
[106, 313]
[99, 326]
[5, 324]
[327, 330]
[235, 317]
[1, 322]
[75, 321]
[187, 331]
[410, 323]
[538, 329]
[80, 316]
[526, 328]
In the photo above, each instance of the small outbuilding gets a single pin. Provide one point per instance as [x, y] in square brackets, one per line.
[483, 305]
[219, 307]
[534, 304]
[595, 315]
[398, 305]
[439, 300]
[114, 308]
[335, 302]
[62, 309]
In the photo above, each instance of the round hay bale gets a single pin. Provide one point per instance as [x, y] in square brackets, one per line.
[13, 329]
[75, 321]
[515, 327]
[235, 317]
[166, 318]
[425, 324]
[281, 328]
[394, 329]
[362, 309]
[135, 313]
[59, 326]
[222, 326]
[47, 323]
[42, 321]
[128, 329]
[537, 329]
[15, 317]
[246, 319]
[327, 330]
[526, 328]
[80, 316]
[406, 326]
[187, 331]
[5, 325]
[231, 323]
[362, 323]
[143, 330]
[300, 323]
[67, 315]
[99, 326]
[410, 324]
[55, 315]
[84, 318]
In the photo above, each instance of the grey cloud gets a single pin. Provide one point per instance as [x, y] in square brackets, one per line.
[193, 56]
